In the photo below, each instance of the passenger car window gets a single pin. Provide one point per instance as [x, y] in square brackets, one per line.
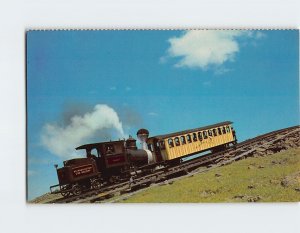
[188, 137]
[205, 134]
[227, 129]
[209, 133]
[224, 130]
[215, 132]
[177, 142]
[162, 144]
[182, 139]
[170, 142]
[219, 131]
[200, 136]
[194, 137]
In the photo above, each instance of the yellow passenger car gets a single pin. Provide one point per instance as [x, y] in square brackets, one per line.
[184, 143]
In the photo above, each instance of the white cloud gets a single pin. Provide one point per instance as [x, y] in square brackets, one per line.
[205, 48]
[255, 34]
[61, 141]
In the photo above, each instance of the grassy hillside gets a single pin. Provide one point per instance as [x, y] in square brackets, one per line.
[274, 178]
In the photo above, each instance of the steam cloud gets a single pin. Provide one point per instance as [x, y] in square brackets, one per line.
[61, 140]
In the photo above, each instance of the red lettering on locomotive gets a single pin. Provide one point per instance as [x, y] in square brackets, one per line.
[116, 159]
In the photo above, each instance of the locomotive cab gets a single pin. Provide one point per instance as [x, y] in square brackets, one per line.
[111, 157]
[77, 175]
[75, 170]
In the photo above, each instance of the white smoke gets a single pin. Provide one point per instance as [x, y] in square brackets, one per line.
[62, 141]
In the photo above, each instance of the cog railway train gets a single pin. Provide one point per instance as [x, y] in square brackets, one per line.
[116, 161]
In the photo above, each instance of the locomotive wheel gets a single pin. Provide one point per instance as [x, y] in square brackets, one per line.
[76, 190]
[111, 180]
[96, 184]
[63, 193]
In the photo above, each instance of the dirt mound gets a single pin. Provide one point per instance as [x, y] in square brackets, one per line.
[291, 180]
[248, 198]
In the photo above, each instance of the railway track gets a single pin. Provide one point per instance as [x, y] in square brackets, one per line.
[241, 150]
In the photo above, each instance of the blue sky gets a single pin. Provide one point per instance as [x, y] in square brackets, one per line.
[116, 82]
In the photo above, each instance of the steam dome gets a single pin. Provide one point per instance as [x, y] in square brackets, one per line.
[131, 143]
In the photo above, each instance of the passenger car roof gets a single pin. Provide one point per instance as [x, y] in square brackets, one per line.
[163, 136]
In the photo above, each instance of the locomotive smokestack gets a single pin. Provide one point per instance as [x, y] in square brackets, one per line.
[142, 135]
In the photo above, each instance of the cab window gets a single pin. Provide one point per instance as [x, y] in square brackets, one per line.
[94, 152]
[109, 149]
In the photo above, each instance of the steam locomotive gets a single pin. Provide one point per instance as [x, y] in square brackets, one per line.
[116, 161]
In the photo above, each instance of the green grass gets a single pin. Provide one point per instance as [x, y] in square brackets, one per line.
[252, 179]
